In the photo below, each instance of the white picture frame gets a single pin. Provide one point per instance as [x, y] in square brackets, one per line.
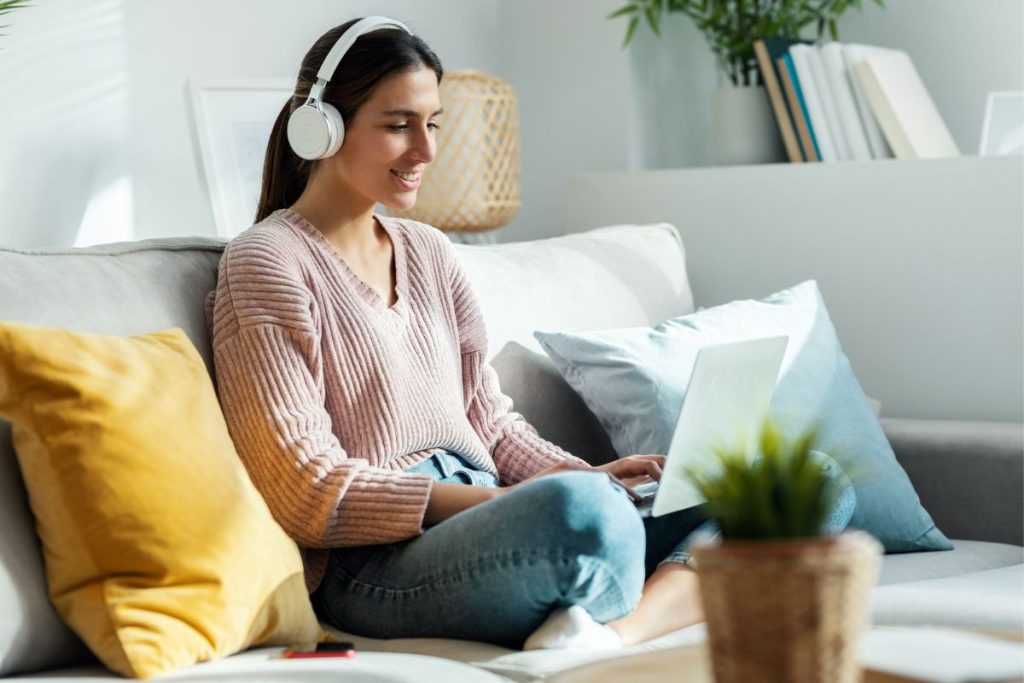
[1003, 130]
[233, 121]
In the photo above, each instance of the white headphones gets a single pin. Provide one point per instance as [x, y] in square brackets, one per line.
[316, 129]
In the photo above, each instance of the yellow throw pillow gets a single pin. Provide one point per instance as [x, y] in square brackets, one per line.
[159, 550]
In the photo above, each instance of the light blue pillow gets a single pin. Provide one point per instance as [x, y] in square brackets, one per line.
[634, 381]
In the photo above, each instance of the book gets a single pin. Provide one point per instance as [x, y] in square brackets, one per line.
[813, 106]
[842, 97]
[905, 111]
[766, 51]
[852, 54]
[798, 107]
[828, 104]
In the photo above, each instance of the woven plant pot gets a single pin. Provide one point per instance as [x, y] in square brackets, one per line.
[791, 611]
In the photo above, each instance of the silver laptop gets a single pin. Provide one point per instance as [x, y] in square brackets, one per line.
[725, 407]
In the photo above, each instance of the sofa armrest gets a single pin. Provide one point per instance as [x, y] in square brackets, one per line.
[969, 475]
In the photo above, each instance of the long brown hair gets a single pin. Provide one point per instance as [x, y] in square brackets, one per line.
[372, 58]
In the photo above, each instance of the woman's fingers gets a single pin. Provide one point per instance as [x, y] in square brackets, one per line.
[626, 472]
[659, 459]
[636, 466]
[633, 482]
[652, 465]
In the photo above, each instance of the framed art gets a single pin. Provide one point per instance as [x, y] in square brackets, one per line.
[232, 126]
[1003, 130]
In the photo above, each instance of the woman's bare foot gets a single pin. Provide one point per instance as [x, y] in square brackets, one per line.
[670, 601]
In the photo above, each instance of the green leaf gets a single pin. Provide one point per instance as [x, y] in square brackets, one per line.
[630, 30]
[11, 5]
[623, 11]
[653, 14]
[785, 493]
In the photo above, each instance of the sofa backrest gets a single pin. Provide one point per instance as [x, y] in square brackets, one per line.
[621, 276]
[126, 288]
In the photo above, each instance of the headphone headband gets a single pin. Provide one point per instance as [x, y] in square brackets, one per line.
[348, 39]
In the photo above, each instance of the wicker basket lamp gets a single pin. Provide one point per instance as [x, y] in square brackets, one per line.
[473, 183]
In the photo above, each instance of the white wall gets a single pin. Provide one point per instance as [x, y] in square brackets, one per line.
[571, 78]
[63, 122]
[95, 137]
[94, 108]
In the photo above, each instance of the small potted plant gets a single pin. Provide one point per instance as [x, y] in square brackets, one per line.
[785, 594]
[743, 130]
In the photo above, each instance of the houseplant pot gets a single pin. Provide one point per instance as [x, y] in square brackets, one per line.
[789, 611]
[786, 597]
[743, 130]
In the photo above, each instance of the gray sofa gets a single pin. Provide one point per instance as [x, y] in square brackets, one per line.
[968, 474]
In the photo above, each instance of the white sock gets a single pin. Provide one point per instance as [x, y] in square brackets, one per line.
[573, 628]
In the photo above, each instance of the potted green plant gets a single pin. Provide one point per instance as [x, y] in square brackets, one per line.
[785, 594]
[731, 27]
[743, 127]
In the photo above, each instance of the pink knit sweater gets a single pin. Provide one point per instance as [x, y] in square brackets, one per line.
[329, 394]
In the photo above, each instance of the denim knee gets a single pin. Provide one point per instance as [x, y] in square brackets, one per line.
[586, 517]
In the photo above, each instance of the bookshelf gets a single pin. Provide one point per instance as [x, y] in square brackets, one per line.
[921, 262]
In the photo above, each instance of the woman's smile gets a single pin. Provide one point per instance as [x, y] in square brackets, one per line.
[407, 181]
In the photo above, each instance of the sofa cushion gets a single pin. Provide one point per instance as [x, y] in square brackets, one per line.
[635, 380]
[159, 550]
[32, 636]
[625, 275]
[990, 600]
[969, 474]
[966, 557]
[266, 665]
[125, 288]
[539, 664]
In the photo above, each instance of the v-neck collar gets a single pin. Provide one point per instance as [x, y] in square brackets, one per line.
[370, 296]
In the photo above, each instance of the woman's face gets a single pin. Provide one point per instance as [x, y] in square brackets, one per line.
[390, 140]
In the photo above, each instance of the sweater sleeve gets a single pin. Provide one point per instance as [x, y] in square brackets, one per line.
[270, 384]
[516, 448]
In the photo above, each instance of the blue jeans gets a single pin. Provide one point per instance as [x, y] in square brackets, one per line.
[494, 572]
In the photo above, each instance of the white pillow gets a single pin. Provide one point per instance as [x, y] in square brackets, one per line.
[634, 381]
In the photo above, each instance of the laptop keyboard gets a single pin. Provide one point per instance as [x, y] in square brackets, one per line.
[646, 491]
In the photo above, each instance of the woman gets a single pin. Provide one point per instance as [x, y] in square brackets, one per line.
[351, 364]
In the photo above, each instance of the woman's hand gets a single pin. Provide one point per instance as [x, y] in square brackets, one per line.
[634, 469]
[627, 472]
[450, 499]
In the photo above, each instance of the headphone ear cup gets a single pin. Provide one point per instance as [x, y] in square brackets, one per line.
[336, 125]
[309, 132]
